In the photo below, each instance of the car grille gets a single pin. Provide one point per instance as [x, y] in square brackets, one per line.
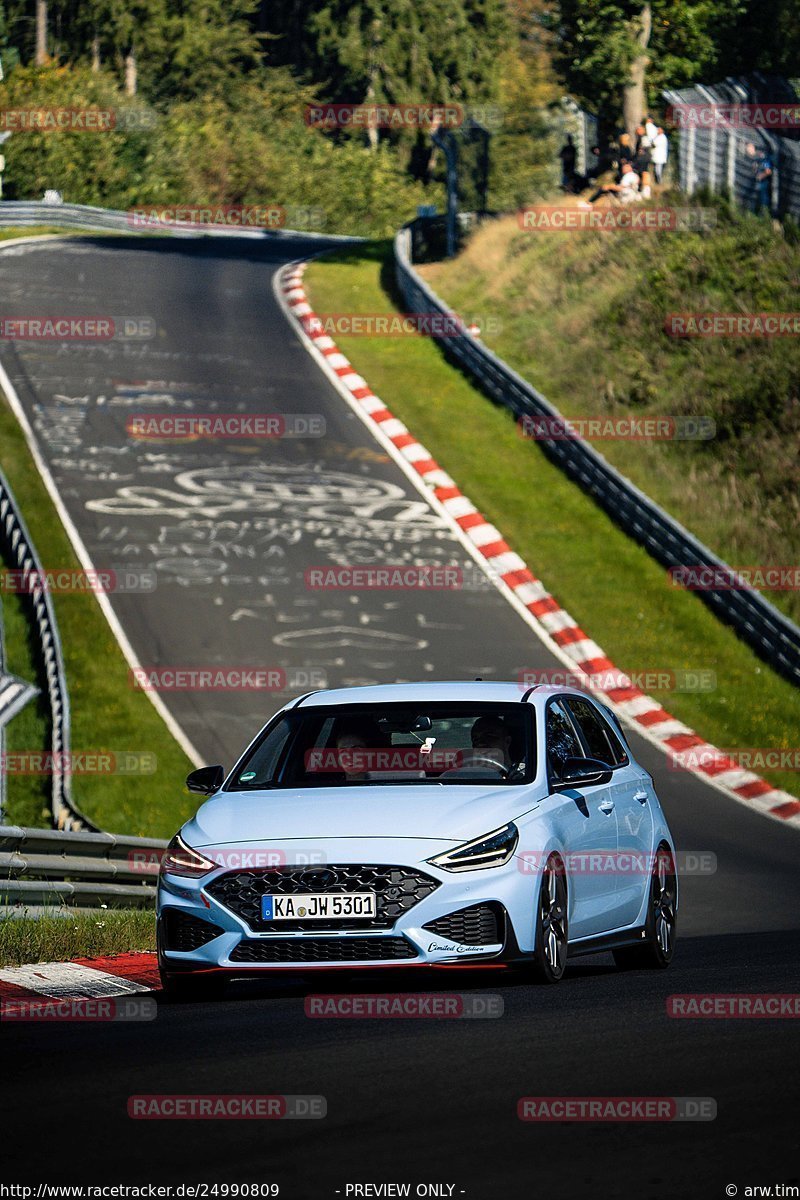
[184, 932]
[479, 925]
[397, 889]
[320, 950]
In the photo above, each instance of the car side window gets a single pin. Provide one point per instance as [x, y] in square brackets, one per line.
[562, 742]
[259, 771]
[600, 738]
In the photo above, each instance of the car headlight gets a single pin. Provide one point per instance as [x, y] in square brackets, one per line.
[180, 859]
[492, 850]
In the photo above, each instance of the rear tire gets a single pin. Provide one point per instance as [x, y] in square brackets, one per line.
[550, 956]
[658, 946]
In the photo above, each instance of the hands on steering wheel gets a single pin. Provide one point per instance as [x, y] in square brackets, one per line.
[488, 761]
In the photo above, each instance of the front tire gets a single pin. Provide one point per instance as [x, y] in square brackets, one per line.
[657, 948]
[550, 955]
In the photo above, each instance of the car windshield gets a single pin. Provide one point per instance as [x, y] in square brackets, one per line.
[398, 744]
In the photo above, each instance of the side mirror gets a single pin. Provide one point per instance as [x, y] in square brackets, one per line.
[206, 780]
[584, 772]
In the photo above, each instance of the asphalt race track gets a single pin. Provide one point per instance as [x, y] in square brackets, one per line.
[229, 530]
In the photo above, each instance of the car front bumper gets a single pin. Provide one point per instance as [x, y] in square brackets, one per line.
[241, 947]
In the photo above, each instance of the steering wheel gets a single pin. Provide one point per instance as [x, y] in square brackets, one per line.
[487, 761]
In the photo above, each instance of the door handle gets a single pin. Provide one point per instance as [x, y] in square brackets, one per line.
[607, 806]
[641, 797]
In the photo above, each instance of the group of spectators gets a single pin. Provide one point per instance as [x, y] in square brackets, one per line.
[624, 170]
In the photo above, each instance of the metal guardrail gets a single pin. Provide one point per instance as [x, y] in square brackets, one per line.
[70, 216]
[15, 693]
[20, 551]
[23, 213]
[767, 631]
[51, 868]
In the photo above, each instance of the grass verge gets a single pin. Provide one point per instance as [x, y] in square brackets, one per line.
[6, 234]
[582, 315]
[107, 713]
[609, 584]
[84, 935]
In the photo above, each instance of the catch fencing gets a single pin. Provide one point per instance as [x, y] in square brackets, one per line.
[716, 157]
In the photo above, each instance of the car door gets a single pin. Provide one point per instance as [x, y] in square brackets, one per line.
[585, 819]
[631, 792]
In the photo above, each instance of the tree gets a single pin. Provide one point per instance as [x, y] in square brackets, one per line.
[405, 52]
[210, 47]
[767, 38]
[616, 55]
[41, 32]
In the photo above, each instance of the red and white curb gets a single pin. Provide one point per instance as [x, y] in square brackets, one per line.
[111, 977]
[529, 596]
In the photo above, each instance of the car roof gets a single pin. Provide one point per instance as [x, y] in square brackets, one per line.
[478, 691]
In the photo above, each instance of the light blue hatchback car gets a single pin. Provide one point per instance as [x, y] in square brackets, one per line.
[421, 825]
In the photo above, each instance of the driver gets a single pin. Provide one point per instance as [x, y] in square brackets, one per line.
[358, 733]
[491, 739]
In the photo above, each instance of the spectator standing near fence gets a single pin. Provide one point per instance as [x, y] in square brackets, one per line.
[659, 154]
[600, 161]
[641, 160]
[625, 151]
[568, 155]
[762, 177]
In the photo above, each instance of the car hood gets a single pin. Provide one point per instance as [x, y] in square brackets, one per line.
[452, 813]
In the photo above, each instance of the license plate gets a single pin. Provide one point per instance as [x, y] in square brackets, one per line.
[318, 906]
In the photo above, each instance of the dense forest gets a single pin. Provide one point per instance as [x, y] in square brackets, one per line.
[212, 95]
